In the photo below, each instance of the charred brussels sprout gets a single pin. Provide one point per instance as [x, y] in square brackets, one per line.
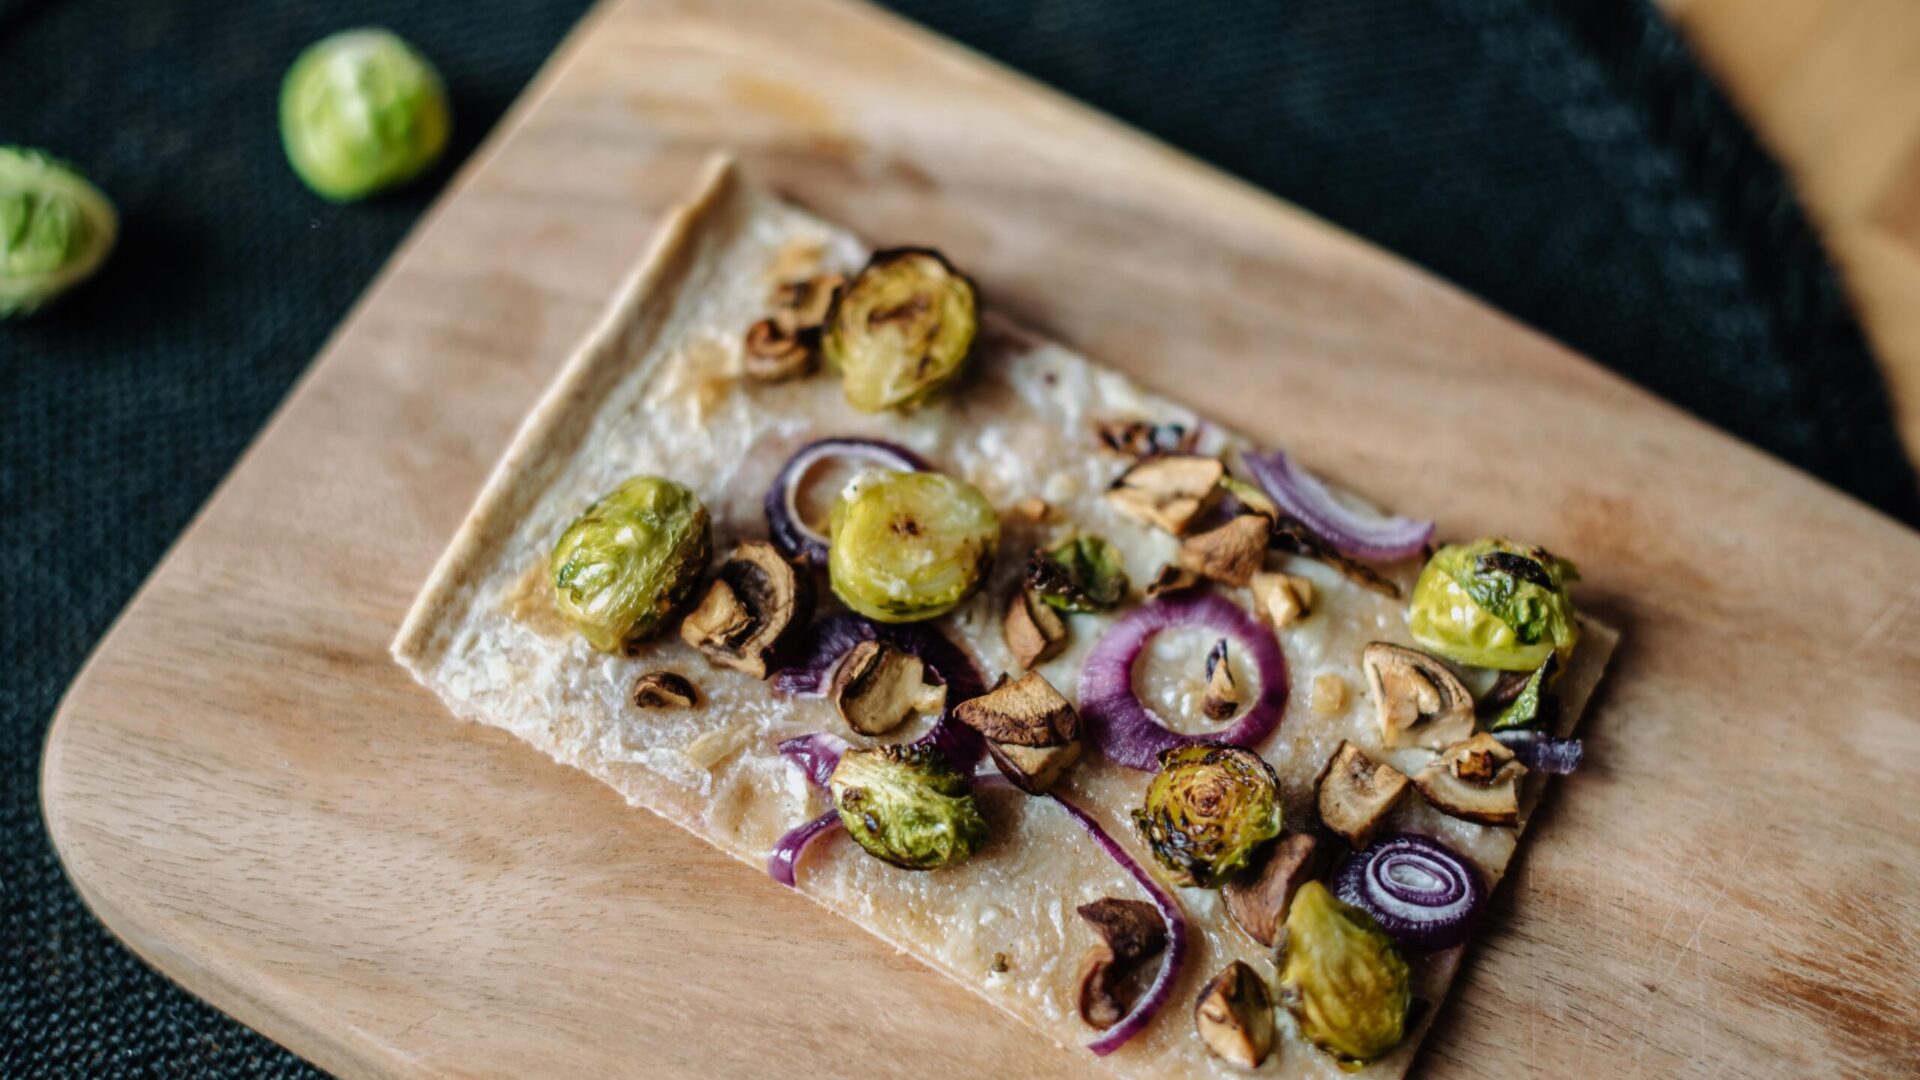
[899, 333]
[907, 805]
[361, 111]
[909, 545]
[630, 561]
[1495, 604]
[55, 229]
[1208, 810]
[1343, 980]
[1081, 574]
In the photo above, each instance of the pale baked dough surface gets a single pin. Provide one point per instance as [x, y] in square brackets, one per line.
[656, 389]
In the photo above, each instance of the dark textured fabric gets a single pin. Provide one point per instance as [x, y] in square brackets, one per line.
[1572, 166]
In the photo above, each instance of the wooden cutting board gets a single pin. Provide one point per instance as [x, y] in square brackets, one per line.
[247, 790]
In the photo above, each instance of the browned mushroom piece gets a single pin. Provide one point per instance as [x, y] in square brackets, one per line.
[1223, 697]
[878, 687]
[1476, 779]
[1231, 553]
[1168, 491]
[1280, 599]
[1131, 933]
[1234, 1016]
[1033, 508]
[1418, 700]
[1141, 438]
[1355, 794]
[1031, 731]
[1171, 579]
[1034, 631]
[755, 603]
[1259, 897]
[664, 690]
[803, 304]
[772, 353]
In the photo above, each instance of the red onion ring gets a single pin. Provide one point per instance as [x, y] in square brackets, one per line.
[783, 863]
[1542, 752]
[1353, 533]
[816, 755]
[789, 532]
[1149, 1005]
[1122, 726]
[1425, 895]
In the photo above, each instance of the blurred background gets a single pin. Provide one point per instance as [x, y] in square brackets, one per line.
[1668, 189]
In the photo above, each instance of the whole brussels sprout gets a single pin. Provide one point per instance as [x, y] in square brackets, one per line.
[1208, 810]
[909, 545]
[361, 111]
[630, 560]
[1343, 980]
[1495, 604]
[907, 805]
[55, 229]
[1081, 574]
[901, 331]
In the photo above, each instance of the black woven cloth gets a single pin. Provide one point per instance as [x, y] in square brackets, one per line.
[1571, 165]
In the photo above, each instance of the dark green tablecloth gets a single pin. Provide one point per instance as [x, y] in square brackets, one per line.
[1570, 165]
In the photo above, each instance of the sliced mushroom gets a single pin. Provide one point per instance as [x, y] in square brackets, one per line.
[773, 353]
[1419, 701]
[1131, 933]
[1355, 794]
[1034, 630]
[755, 603]
[664, 690]
[1280, 599]
[1230, 554]
[1259, 898]
[1167, 491]
[803, 304]
[1139, 438]
[1031, 731]
[1223, 697]
[1171, 579]
[878, 687]
[1235, 1016]
[1476, 779]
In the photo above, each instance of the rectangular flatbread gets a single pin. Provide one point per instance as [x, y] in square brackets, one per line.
[658, 389]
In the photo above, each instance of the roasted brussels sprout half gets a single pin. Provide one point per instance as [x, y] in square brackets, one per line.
[1081, 574]
[909, 545]
[1343, 980]
[361, 111]
[629, 561]
[55, 229]
[907, 805]
[1495, 604]
[1208, 810]
[900, 332]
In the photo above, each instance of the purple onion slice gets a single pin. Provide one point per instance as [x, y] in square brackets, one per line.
[785, 860]
[1122, 726]
[816, 755]
[1425, 895]
[1143, 1010]
[785, 525]
[1353, 533]
[1542, 752]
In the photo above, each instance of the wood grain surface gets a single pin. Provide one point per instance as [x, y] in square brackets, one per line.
[248, 791]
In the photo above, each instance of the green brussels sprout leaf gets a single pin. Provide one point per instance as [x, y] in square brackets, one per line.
[1343, 980]
[630, 561]
[362, 111]
[1495, 604]
[1533, 702]
[55, 229]
[907, 805]
[1208, 811]
[1081, 574]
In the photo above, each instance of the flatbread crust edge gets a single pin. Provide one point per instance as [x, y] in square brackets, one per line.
[553, 432]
